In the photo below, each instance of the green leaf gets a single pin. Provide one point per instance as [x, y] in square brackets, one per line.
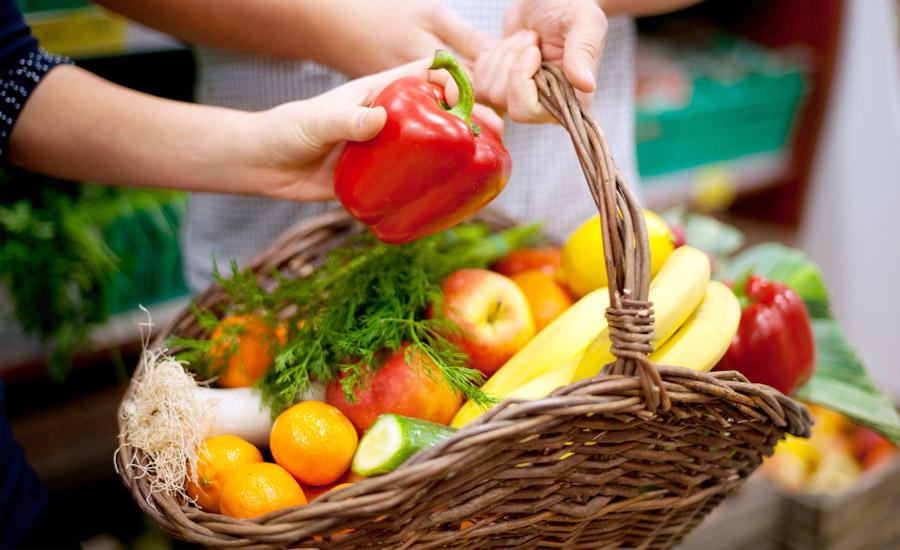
[705, 232]
[840, 381]
[711, 235]
[842, 384]
[789, 266]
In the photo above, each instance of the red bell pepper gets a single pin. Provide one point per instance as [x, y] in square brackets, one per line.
[774, 344]
[429, 168]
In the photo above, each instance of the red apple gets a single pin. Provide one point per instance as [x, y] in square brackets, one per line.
[492, 313]
[402, 389]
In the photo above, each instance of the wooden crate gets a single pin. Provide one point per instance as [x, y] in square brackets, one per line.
[864, 517]
[750, 519]
[762, 516]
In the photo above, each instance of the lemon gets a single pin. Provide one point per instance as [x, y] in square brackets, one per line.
[582, 268]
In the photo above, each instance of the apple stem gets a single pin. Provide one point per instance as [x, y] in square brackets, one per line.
[495, 311]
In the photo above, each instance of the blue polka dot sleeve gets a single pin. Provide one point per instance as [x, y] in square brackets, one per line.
[22, 65]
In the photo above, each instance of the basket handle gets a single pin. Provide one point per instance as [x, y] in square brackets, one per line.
[625, 240]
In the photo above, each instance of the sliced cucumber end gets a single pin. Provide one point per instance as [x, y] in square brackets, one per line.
[381, 448]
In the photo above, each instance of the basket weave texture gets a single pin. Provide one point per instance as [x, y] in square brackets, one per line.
[634, 457]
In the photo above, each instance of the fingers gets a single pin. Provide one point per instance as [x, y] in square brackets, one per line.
[489, 118]
[492, 68]
[364, 90]
[462, 37]
[483, 113]
[583, 49]
[504, 78]
[522, 94]
[443, 79]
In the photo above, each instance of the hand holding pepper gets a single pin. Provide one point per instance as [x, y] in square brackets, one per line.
[429, 168]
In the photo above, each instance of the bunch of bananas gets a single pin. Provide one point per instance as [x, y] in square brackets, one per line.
[695, 317]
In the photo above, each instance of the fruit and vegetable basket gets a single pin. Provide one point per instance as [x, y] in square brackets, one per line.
[594, 445]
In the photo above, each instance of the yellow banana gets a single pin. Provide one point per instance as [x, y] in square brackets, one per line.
[567, 336]
[533, 389]
[547, 382]
[675, 292]
[704, 338]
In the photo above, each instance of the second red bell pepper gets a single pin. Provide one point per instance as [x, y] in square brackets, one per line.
[429, 168]
[774, 344]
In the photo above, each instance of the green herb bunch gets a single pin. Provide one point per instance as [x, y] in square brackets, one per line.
[365, 302]
[55, 261]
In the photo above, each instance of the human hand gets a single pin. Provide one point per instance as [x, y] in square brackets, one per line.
[396, 32]
[570, 35]
[503, 77]
[298, 143]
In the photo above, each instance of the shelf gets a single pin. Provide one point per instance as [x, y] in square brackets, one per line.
[731, 178]
[24, 356]
[90, 31]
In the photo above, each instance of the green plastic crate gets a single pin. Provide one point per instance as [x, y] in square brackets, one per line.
[32, 6]
[150, 266]
[722, 122]
[742, 99]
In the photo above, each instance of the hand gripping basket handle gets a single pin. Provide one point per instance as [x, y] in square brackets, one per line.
[625, 241]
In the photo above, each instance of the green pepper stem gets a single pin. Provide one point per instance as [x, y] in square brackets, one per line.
[740, 288]
[463, 108]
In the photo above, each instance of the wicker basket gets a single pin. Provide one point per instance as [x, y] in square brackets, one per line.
[634, 457]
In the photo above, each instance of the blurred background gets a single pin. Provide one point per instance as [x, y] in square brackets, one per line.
[781, 117]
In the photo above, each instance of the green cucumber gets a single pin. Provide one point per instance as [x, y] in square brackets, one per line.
[391, 439]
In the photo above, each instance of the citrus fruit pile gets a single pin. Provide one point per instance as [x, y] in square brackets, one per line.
[312, 445]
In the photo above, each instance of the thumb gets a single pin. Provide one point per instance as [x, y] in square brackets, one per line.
[582, 50]
[367, 123]
[330, 126]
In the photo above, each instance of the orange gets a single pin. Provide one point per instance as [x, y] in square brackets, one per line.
[523, 259]
[314, 441]
[254, 354]
[254, 490]
[349, 477]
[217, 457]
[546, 296]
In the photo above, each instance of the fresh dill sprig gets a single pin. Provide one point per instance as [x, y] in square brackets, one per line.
[364, 303]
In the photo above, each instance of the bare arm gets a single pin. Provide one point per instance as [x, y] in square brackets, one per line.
[640, 8]
[78, 126]
[357, 37]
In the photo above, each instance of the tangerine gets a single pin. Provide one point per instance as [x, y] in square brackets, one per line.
[546, 296]
[313, 492]
[524, 259]
[216, 457]
[255, 343]
[254, 490]
[314, 441]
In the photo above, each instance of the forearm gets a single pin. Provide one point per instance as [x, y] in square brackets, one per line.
[78, 126]
[293, 29]
[640, 8]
